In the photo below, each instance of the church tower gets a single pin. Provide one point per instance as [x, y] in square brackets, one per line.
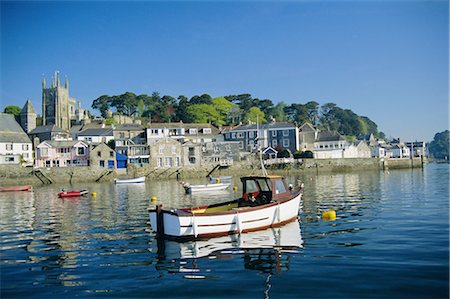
[57, 107]
[28, 117]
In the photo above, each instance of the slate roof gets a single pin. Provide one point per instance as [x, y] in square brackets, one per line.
[97, 132]
[276, 125]
[45, 129]
[329, 136]
[63, 143]
[11, 131]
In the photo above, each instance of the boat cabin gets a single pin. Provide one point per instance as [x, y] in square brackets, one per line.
[258, 190]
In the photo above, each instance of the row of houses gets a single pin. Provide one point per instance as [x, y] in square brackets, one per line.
[179, 144]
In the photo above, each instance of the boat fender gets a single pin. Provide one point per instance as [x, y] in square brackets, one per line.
[153, 199]
[93, 194]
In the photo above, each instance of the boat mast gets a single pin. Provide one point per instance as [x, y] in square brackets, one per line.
[263, 169]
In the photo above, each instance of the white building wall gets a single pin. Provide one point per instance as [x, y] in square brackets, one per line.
[13, 153]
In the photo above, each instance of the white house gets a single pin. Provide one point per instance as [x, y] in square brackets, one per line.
[399, 150]
[96, 135]
[15, 146]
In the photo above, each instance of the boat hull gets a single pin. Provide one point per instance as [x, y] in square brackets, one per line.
[130, 181]
[239, 220]
[64, 194]
[15, 188]
[205, 188]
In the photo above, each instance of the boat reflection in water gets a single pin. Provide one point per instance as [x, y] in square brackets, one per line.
[268, 251]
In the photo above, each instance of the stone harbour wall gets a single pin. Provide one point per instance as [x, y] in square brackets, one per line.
[17, 175]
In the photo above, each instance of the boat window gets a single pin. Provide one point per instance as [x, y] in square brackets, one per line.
[263, 184]
[279, 186]
[251, 186]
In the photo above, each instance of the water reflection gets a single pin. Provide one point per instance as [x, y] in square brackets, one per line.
[267, 251]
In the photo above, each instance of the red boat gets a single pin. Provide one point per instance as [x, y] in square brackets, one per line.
[72, 193]
[15, 188]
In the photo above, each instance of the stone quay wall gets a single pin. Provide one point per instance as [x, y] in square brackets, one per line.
[16, 175]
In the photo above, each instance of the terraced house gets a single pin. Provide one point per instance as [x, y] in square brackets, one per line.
[278, 135]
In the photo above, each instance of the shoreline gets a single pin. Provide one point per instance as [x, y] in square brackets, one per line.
[17, 175]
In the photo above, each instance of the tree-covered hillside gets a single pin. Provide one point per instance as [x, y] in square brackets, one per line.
[439, 147]
[235, 109]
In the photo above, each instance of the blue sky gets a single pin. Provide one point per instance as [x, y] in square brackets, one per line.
[387, 60]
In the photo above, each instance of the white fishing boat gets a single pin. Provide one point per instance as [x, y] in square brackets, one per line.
[130, 180]
[267, 201]
[205, 188]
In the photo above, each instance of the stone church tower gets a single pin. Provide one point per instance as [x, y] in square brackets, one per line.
[28, 117]
[58, 107]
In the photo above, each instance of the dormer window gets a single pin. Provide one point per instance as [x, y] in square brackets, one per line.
[207, 131]
[193, 131]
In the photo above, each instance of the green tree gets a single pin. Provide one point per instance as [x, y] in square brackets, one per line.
[254, 115]
[223, 107]
[102, 104]
[439, 147]
[204, 113]
[14, 110]
[181, 110]
[312, 110]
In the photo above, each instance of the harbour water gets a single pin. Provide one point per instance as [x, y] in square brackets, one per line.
[390, 239]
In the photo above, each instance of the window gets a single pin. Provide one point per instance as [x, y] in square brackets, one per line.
[168, 162]
[154, 131]
[192, 131]
[48, 163]
[111, 154]
[161, 149]
[81, 151]
[177, 161]
[279, 186]
[240, 135]
[227, 135]
[241, 145]
[274, 133]
[102, 163]
[191, 151]
[285, 133]
[44, 152]
[174, 149]
[274, 143]
[285, 142]
[251, 186]
[9, 147]
[192, 160]
[24, 147]
[99, 154]
[207, 131]
[159, 162]
[121, 135]
[233, 135]
[9, 159]
[25, 155]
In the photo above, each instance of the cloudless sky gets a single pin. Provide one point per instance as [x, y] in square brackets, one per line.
[387, 60]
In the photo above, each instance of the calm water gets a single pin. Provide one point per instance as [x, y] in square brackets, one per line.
[390, 240]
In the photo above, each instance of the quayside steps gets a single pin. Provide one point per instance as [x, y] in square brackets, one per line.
[42, 177]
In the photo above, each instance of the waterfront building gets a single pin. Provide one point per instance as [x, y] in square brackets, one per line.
[131, 141]
[96, 135]
[166, 153]
[15, 145]
[329, 145]
[223, 153]
[192, 153]
[417, 148]
[279, 136]
[308, 134]
[62, 153]
[103, 156]
[28, 117]
[196, 133]
[48, 132]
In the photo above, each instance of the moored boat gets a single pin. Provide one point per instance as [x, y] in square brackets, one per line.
[266, 202]
[73, 193]
[15, 188]
[205, 188]
[130, 180]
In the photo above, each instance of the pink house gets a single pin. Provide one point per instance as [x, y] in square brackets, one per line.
[62, 153]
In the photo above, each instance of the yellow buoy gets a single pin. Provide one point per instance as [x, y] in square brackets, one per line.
[329, 215]
[153, 200]
[93, 194]
[235, 188]
[218, 181]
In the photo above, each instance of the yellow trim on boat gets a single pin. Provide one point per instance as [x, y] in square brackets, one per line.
[224, 208]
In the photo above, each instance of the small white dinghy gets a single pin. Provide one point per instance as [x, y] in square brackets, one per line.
[204, 188]
[130, 180]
